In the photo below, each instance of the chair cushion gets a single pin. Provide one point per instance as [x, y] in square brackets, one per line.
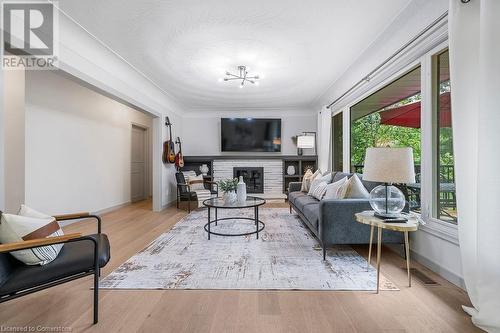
[75, 257]
[300, 202]
[292, 196]
[311, 212]
[188, 196]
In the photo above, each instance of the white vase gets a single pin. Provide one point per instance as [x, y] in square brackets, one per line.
[290, 170]
[229, 197]
[241, 190]
[204, 169]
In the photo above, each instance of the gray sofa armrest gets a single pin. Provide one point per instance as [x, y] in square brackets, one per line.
[294, 186]
[337, 223]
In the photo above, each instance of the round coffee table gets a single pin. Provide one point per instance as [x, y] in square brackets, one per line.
[219, 203]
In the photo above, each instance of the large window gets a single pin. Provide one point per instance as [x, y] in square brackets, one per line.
[444, 173]
[390, 118]
[338, 142]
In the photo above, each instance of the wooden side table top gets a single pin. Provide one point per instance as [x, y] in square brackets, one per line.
[367, 217]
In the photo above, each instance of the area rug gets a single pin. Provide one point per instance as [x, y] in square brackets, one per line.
[285, 257]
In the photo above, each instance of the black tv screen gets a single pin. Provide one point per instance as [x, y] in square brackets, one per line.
[250, 134]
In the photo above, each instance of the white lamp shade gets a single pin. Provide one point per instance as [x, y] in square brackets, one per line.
[389, 165]
[305, 141]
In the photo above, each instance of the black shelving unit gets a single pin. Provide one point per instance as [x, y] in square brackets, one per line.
[300, 164]
[194, 163]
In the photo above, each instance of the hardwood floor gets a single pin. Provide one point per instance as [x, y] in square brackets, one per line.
[417, 309]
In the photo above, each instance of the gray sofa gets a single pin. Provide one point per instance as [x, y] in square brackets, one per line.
[332, 221]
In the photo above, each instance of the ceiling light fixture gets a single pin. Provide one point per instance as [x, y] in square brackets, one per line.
[243, 76]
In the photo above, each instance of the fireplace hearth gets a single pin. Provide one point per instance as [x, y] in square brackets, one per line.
[252, 176]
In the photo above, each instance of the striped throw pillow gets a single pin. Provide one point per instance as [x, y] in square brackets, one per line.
[196, 182]
[319, 191]
[26, 225]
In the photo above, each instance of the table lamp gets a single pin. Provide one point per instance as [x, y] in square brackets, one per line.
[389, 166]
[306, 141]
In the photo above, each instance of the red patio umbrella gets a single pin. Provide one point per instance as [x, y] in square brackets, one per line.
[409, 115]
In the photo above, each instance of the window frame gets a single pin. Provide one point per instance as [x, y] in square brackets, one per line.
[439, 228]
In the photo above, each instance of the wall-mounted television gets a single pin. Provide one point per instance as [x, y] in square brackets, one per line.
[250, 135]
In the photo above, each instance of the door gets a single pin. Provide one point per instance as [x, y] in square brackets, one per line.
[138, 164]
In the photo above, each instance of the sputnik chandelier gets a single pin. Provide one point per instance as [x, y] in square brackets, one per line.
[242, 76]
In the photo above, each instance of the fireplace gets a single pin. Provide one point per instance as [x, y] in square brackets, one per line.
[252, 176]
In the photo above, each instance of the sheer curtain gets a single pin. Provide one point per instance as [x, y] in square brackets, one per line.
[474, 30]
[324, 139]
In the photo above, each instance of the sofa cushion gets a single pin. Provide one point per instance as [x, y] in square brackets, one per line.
[292, 196]
[302, 201]
[354, 189]
[333, 189]
[306, 180]
[311, 212]
[327, 178]
[339, 175]
[75, 257]
[368, 185]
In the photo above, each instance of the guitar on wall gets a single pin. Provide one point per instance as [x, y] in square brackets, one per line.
[179, 159]
[168, 146]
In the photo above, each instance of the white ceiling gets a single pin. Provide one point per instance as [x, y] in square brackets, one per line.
[300, 47]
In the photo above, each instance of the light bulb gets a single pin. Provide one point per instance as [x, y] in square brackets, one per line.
[241, 85]
[256, 83]
[220, 79]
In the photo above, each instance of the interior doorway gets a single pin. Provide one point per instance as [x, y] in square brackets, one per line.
[140, 188]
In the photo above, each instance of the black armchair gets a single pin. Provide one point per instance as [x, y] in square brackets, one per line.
[80, 256]
[184, 192]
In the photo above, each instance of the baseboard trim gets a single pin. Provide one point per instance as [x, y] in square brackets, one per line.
[99, 212]
[438, 269]
[433, 266]
[168, 204]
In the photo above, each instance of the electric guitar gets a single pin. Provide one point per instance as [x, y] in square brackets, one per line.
[168, 146]
[179, 159]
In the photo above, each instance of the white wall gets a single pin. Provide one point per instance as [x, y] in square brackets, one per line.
[85, 57]
[12, 161]
[78, 146]
[415, 17]
[201, 132]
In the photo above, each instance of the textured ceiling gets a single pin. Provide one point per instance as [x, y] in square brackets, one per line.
[300, 47]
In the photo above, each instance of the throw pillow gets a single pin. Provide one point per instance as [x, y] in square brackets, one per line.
[196, 182]
[30, 224]
[188, 173]
[306, 181]
[319, 190]
[333, 189]
[354, 189]
[320, 179]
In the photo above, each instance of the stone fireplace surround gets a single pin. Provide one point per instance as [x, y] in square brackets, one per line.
[273, 173]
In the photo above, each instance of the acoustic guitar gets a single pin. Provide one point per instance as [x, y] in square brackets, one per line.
[179, 159]
[168, 155]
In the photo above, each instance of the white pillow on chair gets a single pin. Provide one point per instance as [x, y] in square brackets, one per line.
[196, 182]
[30, 224]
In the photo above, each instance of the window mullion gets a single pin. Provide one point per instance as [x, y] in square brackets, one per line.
[428, 138]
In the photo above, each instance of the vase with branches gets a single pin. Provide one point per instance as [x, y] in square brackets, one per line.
[228, 186]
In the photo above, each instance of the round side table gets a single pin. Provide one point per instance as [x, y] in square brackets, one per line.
[367, 217]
